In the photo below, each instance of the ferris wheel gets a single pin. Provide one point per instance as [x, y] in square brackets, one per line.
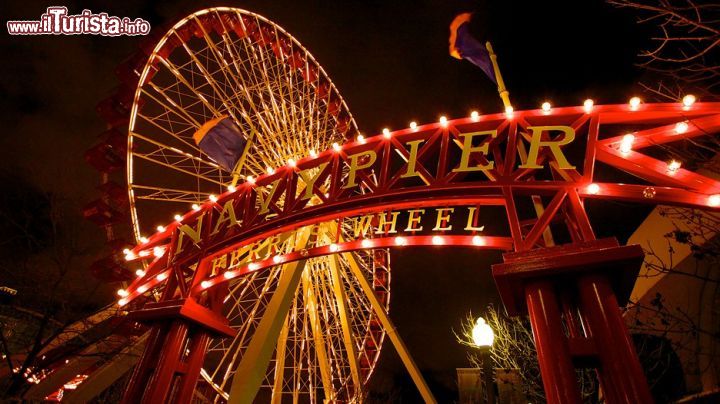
[228, 62]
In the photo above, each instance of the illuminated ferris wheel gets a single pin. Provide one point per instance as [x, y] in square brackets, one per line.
[227, 62]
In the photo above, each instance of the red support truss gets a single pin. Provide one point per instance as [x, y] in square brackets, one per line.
[482, 162]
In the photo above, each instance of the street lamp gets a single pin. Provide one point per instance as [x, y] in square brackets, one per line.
[482, 334]
[483, 337]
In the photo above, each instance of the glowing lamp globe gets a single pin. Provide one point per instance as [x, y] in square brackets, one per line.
[482, 334]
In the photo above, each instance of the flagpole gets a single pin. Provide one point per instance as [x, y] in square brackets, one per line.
[504, 94]
[241, 161]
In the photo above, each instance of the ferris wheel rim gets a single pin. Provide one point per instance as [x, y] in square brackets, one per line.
[154, 58]
[149, 64]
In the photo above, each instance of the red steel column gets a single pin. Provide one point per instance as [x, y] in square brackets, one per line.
[186, 386]
[144, 367]
[164, 375]
[558, 372]
[619, 363]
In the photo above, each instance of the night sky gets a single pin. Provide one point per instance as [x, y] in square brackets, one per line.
[389, 59]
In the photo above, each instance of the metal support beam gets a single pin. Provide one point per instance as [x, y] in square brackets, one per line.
[108, 373]
[390, 329]
[311, 306]
[250, 372]
[280, 363]
[349, 344]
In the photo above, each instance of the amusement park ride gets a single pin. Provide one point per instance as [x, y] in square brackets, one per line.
[275, 285]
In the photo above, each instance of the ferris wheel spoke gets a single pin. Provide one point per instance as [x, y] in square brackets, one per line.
[229, 358]
[169, 105]
[266, 126]
[224, 68]
[149, 192]
[258, 85]
[174, 167]
[168, 155]
[178, 76]
[223, 97]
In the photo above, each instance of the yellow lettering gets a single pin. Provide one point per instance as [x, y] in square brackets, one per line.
[361, 226]
[227, 214]
[265, 200]
[310, 179]
[443, 219]
[236, 256]
[536, 143]
[355, 166]
[384, 222]
[218, 263]
[468, 149]
[194, 234]
[414, 218]
[471, 218]
[414, 146]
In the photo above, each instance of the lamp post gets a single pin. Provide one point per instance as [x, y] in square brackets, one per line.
[483, 337]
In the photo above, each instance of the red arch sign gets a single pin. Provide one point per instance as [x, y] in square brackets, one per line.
[391, 186]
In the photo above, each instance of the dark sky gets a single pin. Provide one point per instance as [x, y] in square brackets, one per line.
[389, 60]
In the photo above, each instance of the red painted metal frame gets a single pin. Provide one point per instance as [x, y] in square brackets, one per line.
[384, 188]
[381, 187]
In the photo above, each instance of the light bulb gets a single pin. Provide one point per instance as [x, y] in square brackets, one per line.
[291, 162]
[443, 121]
[437, 240]
[475, 115]
[333, 247]
[212, 198]
[313, 153]
[681, 127]
[588, 105]
[366, 243]
[714, 200]
[413, 125]
[158, 251]
[673, 166]
[336, 147]
[250, 179]
[143, 239]
[509, 111]
[161, 276]
[253, 266]
[626, 143]
[195, 207]
[178, 218]
[231, 188]
[688, 100]
[277, 259]
[399, 240]
[160, 228]
[386, 133]
[477, 240]
[121, 302]
[122, 292]
[593, 189]
[229, 275]
[270, 170]
[140, 273]
[635, 103]
[205, 284]
[361, 138]
[546, 106]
